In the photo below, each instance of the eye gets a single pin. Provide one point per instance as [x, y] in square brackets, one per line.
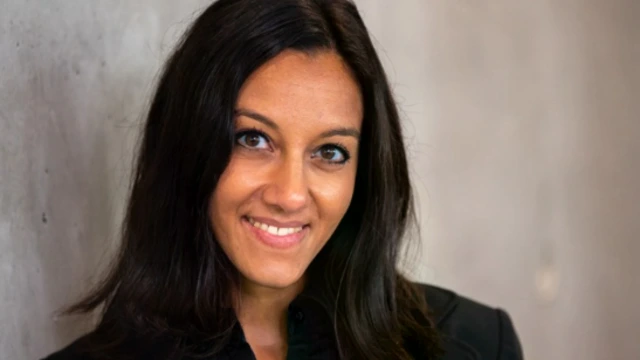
[332, 153]
[253, 139]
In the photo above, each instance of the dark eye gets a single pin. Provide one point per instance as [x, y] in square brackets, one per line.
[252, 140]
[333, 154]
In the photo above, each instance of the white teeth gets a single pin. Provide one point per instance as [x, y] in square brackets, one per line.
[274, 230]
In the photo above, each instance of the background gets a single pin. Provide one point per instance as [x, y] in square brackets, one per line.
[522, 122]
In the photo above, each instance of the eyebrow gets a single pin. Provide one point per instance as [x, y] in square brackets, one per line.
[343, 131]
[259, 117]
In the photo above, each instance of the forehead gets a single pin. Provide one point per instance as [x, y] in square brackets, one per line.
[318, 88]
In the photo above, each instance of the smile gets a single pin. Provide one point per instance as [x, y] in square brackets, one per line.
[281, 236]
[273, 230]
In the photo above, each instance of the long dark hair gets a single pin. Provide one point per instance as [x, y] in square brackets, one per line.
[171, 279]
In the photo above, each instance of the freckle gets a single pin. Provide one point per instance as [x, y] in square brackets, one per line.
[44, 218]
[46, 170]
[18, 44]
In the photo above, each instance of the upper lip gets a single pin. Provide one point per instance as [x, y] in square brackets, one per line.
[278, 224]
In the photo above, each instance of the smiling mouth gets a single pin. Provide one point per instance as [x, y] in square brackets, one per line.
[274, 230]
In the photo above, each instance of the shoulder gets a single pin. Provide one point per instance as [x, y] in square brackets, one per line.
[86, 346]
[72, 351]
[470, 329]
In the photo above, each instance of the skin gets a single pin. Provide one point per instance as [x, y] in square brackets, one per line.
[292, 173]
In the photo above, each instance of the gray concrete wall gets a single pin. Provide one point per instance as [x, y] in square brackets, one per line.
[522, 124]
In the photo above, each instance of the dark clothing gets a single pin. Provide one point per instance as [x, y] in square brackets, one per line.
[470, 331]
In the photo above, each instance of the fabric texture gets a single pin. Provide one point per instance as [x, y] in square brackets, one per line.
[469, 331]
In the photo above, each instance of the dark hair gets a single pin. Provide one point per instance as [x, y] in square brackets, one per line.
[172, 280]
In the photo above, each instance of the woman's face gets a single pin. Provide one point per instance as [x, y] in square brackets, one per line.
[291, 175]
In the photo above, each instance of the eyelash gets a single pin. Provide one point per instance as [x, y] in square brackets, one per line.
[254, 131]
[343, 149]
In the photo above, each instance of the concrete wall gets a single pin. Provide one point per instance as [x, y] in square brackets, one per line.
[522, 124]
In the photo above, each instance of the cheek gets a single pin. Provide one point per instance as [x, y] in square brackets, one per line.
[333, 194]
[234, 189]
[234, 184]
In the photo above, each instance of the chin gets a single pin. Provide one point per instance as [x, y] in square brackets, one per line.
[280, 279]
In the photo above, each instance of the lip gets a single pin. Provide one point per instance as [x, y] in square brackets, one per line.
[289, 224]
[274, 241]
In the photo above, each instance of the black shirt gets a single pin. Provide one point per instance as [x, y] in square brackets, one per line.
[469, 330]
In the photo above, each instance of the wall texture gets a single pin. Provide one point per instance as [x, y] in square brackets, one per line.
[521, 121]
[74, 78]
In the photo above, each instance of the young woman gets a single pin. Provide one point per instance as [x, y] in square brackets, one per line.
[268, 206]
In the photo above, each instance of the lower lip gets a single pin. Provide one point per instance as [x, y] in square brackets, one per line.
[275, 241]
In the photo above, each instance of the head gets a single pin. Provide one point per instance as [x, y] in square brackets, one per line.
[272, 153]
[291, 174]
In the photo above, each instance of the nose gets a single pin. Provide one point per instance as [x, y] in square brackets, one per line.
[287, 190]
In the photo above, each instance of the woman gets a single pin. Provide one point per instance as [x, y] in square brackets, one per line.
[268, 205]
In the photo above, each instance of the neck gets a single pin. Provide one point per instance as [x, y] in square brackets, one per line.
[262, 312]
